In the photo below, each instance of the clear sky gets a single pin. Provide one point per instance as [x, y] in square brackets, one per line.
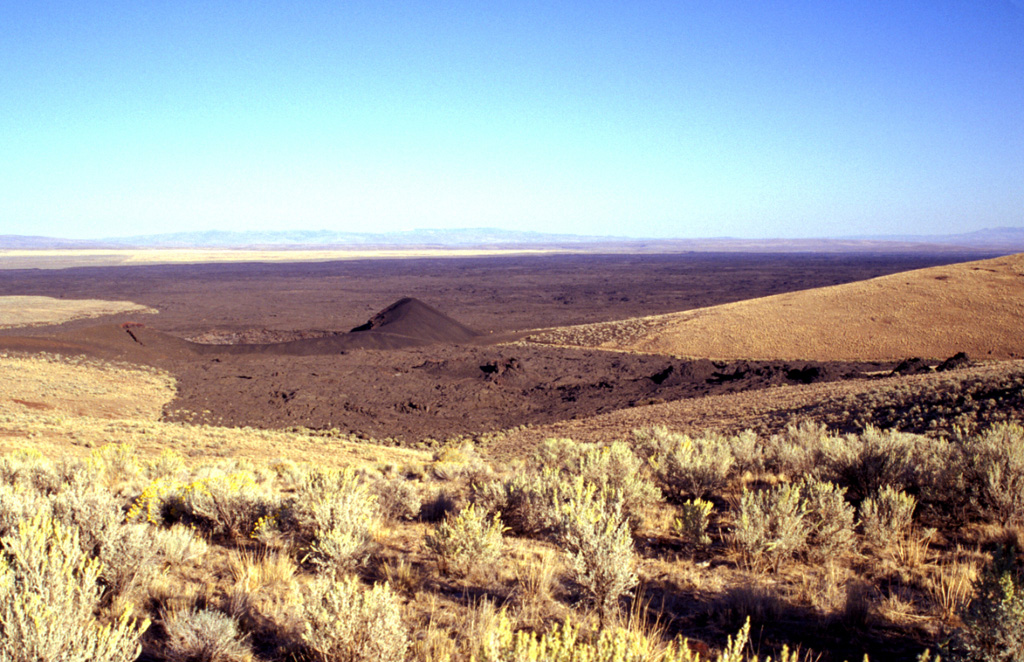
[668, 119]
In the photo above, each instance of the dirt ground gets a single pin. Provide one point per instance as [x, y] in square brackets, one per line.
[436, 367]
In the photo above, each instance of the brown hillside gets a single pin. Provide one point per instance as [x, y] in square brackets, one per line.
[976, 307]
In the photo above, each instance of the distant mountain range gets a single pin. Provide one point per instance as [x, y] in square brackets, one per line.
[1001, 240]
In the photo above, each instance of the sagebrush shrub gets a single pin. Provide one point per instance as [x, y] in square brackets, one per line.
[830, 520]
[502, 643]
[685, 466]
[771, 526]
[204, 635]
[19, 502]
[747, 451]
[127, 551]
[336, 509]
[616, 468]
[873, 459]
[796, 452]
[466, 541]
[49, 593]
[993, 623]
[30, 469]
[229, 504]
[887, 516]
[559, 453]
[994, 467]
[692, 523]
[397, 498]
[529, 503]
[344, 623]
[179, 544]
[596, 536]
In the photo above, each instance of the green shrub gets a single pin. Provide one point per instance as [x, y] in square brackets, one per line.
[772, 525]
[344, 623]
[692, 523]
[887, 516]
[595, 534]
[204, 635]
[48, 597]
[466, 541]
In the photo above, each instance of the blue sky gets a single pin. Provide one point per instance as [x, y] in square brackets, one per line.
[668, 119]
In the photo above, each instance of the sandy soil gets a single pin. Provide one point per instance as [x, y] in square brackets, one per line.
[976, 307]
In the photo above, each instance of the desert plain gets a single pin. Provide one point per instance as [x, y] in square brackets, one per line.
[437, 375]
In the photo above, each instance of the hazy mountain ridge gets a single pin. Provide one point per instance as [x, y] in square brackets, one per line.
[1003, 239]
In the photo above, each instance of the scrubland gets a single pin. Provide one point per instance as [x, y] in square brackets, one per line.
[122, 537]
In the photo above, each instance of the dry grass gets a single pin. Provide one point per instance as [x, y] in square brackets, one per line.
[17, 311]
[920, 582]
[67, 258]
[932, 313]
[69, 406]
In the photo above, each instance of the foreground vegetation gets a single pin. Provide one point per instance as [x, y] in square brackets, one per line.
[802, 545]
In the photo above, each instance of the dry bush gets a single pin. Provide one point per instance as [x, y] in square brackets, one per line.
[951, 586]
[530, 501]
[467, 541]
[875, 458]
[616, 468]
[19, 502]
[797, 450]
[398, 499]
[336, 507]
[748, 452]
[459, 463]
[771, 526]
[344, 623]
[994, 463]
[225, 503]
[28, 469]
[992, 629]
[595, 534]
[49, 595]
[829, 519]
[684, 466]
[566, 643]
[887, 516]
[692, 523]
[204, 635]
[180, 545]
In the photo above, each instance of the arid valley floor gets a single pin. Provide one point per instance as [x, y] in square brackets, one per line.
[438, 377]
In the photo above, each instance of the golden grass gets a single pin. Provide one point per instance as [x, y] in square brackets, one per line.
[17, 311]
[976, 307]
